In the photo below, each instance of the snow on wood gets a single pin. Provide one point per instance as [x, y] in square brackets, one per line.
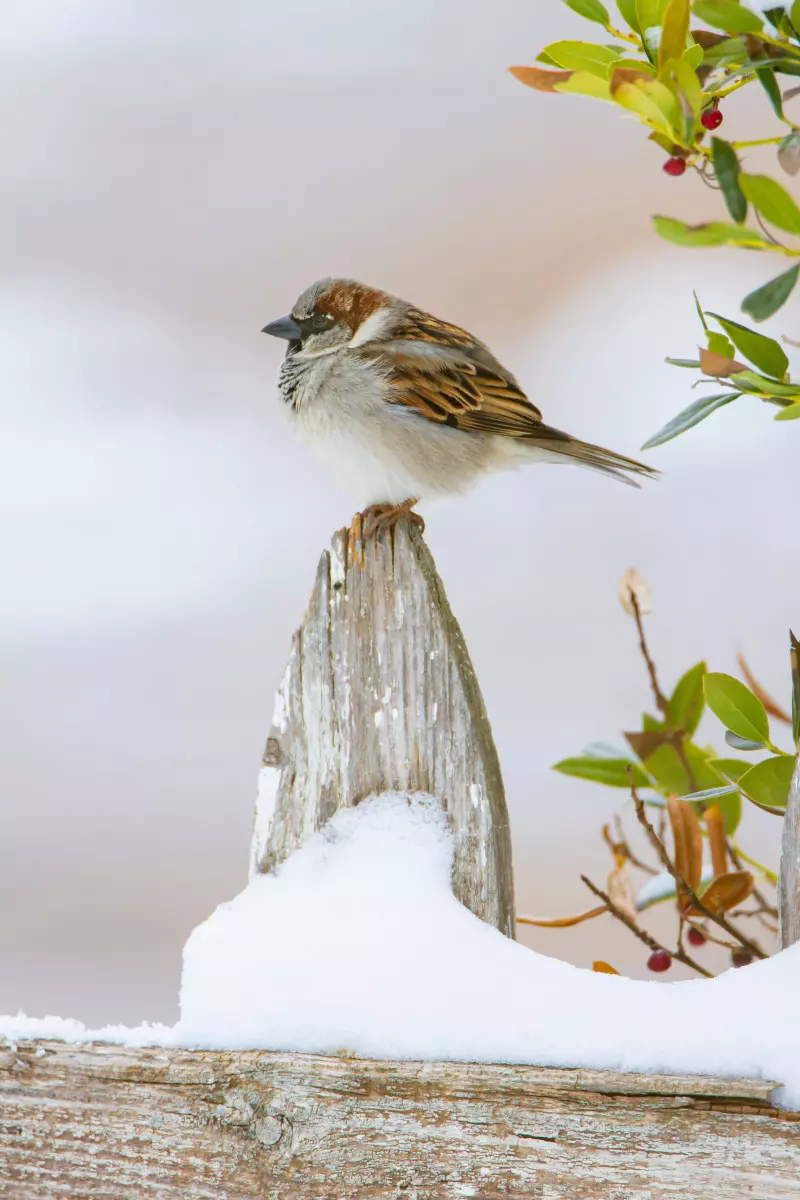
[357, 943]
[789, 888]
[380, 695]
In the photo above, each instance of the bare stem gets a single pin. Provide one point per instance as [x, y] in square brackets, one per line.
[683, 887]
[662, 703]
[679, 954]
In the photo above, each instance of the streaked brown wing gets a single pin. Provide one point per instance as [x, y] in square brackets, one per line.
[440, 372]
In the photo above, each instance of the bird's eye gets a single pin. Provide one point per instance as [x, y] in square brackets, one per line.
[318, 323]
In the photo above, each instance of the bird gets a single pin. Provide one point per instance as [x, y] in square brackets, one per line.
[403, 406]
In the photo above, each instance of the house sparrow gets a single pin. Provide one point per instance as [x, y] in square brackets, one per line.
[404, 406]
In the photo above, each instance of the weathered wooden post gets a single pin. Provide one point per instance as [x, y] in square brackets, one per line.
[379, 694]
[789, 884]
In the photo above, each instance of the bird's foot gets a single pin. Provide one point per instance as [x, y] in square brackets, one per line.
[385, 516]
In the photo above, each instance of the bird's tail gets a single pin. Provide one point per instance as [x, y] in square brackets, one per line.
[569, 449]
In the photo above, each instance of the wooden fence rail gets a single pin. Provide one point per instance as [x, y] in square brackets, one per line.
[379, 694]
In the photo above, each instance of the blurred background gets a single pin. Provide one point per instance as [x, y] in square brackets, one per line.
[173, 178]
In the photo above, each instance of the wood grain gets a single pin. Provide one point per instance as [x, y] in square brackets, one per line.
[379, 695]
[789, 885]
[108, 1122]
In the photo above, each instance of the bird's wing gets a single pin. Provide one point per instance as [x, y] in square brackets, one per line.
[444, 375]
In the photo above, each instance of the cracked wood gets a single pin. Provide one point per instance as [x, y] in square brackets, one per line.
[108, 1122]
[380, 695]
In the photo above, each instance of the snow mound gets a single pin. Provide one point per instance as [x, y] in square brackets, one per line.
[356, 943]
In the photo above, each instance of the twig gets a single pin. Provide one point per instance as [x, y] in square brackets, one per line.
[679, 955]
[662, 703]
[622, 843]
[683, 887]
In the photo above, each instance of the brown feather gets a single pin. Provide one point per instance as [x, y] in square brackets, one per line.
[465, 387]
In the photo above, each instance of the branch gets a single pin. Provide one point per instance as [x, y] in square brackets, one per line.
[679, 955]
[662, 703]
[683, 887]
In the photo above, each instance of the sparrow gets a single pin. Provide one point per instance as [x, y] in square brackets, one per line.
[403, 406]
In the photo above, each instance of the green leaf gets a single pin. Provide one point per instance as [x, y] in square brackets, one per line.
[733, 768]
[766, 77]
[731, 51]
[731, 808]
[683, 79]
[763, 352]
[627, 10]
[582, 56]
[605, 750]
[693, 55]
[719, 344]
[789, 153]
[765, 301]
[740, 743]
[593, 10]
[650, 16]
[751, 381]
[584, 83]
[792, 413]
[728, 16]
[712, 793]
[710, 233]
[692, 415]
[794, 14]
[703, 764]
[772, 201]
[611, 771]
[688, 700]
[727, 170]
[739, 710]
[768, 781]
[674, 31]
[650, 99]
[694, 363]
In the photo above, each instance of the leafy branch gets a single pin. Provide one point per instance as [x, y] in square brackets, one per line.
[673, 77]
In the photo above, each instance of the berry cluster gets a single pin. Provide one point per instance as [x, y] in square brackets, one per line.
[711, 119]
[661, 960]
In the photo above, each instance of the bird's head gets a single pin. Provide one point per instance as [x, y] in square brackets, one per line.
[332, 316]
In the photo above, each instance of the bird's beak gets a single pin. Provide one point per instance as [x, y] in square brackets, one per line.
[284, 327]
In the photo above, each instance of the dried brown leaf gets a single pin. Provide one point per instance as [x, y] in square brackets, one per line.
[562, 922]
[726, 891]
[646, 743]
[715, 828]
[773, 708]
[619, 890]
[688, 840]
[633, 581]
[604, 968]
[707, 39]
[718, 365]
[537, 77]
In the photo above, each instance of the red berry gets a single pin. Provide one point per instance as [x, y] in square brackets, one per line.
[675, 166]
[659, 960]
[696, 937]
[711, 118]
[741, 958]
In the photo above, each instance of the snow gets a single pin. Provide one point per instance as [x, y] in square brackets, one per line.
[357, 944]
